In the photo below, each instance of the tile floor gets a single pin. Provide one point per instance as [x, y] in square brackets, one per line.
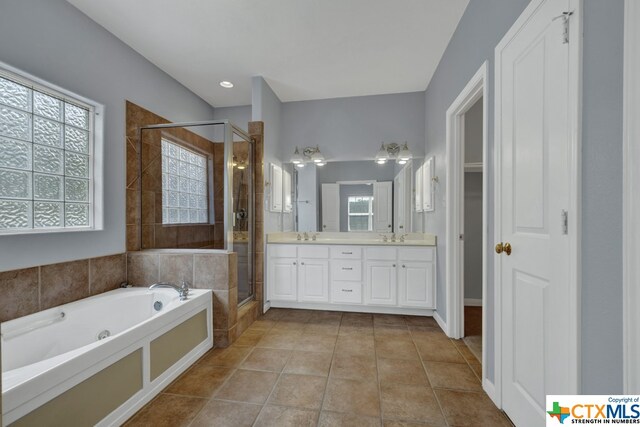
[308, 368]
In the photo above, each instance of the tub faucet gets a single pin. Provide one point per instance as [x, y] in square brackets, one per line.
[182, 290]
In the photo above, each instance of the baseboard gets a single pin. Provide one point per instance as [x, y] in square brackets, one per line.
[441, 323]
[473, 302]
[490, 389]
[353, 308]
[266, 306]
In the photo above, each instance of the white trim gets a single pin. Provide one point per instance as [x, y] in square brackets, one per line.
[631, 198]
[473, 302]
[474, 90]
[489, 388]
[575, 188]
[364, 182]
[439, 321]
[473, 167]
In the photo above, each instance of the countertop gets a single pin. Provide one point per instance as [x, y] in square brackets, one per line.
[373, 239]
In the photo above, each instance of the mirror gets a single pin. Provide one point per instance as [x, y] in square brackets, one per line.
[348, 196]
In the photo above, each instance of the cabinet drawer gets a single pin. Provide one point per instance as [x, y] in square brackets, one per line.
[346, 292]
[416, 254]
[346, 270]
[381, 253]
[346, 252]
[313, 252]
[282, 251]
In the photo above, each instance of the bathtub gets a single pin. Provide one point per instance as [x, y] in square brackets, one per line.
[100, 359]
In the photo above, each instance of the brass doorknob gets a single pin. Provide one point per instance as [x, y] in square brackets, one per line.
[507, 248]
[499, 248]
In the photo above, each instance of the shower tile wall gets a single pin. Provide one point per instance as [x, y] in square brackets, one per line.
[30, 290]
[154, 233]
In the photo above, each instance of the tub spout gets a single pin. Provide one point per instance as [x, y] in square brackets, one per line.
[182, 290]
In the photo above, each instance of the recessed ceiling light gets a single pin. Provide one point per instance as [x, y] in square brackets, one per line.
[225, 84]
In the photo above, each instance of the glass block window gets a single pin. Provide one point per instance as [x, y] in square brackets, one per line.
[360, 212]
[184, 185]
[46, 158]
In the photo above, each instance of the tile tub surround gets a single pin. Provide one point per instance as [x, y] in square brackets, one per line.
[146, 212]
[202, 269]
[30, 290]
[307, 368]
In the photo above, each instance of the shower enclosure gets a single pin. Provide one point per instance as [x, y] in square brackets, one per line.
[197, 191]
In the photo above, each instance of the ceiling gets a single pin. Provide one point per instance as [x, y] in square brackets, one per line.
[305, 49]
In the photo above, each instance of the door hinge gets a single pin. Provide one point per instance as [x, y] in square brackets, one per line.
[565, 23]
[564, 218]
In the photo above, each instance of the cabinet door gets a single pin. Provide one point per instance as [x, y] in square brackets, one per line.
[330, 207]
[416, 284]
[275, 204]
[418, 190]
[383, 206]
[427, 185]
[313, 280]
[381, 285]
[283, 279]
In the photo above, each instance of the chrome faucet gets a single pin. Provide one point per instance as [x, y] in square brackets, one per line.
[306, 236]
[314, 236]
[385, 239]
[401, 239]
[393, 237]
[182, 290]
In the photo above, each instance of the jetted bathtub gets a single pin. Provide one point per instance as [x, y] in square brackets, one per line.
[100, 359]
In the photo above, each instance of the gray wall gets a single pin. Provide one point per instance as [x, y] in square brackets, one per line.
[473, 235]
[239, 116]
[479, 31]
[473, 133]
[347, 191]
[602, 343]
[366, 170]
[266, 107]
[54, 41]
[353, 128]
[482, 26]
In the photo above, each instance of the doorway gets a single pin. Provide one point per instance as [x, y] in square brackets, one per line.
[473, 219]
[468, 108]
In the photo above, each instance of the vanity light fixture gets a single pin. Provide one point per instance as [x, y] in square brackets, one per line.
[226, 84]
[393, 151]
[382, 156]
[309, 154]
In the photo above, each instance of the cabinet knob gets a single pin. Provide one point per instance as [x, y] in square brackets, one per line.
[295, 263]
[302, 263]
[394, 265]
[403, 266]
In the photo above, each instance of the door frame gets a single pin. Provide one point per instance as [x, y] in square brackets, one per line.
[572, 330]
[631, 198]
[455, 140]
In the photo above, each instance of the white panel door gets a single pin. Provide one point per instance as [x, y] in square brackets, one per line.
[313, 280]
[417, 284]
[383, 207]
[381, 284]
[330, 207]
[283, 279]
[533, 116]
[398, 203]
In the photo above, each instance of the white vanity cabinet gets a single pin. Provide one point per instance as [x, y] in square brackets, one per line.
[368, 278]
